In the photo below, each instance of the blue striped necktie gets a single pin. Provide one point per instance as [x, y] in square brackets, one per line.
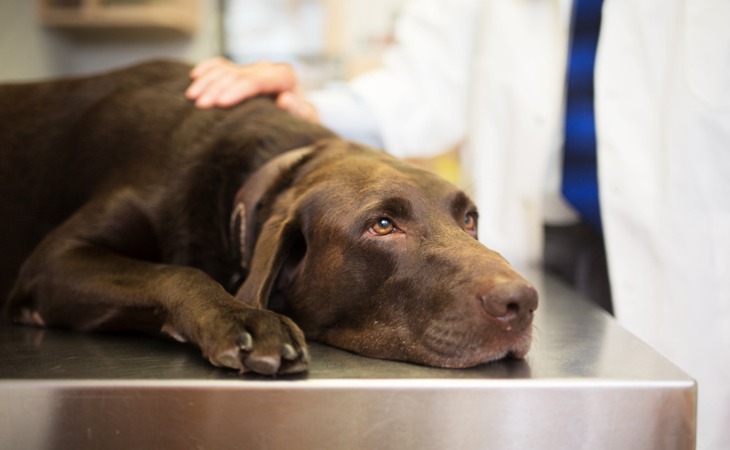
[580, 179]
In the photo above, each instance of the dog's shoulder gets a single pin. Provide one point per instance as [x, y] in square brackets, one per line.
[159, 68]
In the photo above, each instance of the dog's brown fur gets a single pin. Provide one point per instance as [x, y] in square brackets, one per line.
[125, 208]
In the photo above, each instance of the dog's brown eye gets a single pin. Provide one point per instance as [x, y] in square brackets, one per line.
[383, 226]
[470, 222]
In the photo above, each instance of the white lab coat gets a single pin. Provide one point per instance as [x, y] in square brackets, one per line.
[490, 74]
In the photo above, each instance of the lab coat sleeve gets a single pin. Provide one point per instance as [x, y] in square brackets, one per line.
[344, 112]
[418, 100]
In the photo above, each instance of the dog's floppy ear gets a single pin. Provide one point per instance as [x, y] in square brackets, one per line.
[248, 201]
[262, 258]
[278, 235]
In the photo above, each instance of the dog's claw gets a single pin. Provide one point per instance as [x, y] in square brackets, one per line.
[305, 356]
[245, 342]
[288, 352]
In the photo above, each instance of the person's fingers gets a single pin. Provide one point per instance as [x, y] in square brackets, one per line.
[267, 78]
[205, 89]
[240, 89]
[218, 85]
[206, 65]
[225, 86]
[232, 84]
[207, 74]
[219, 82]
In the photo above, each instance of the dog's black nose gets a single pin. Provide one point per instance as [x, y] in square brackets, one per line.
[509, 300]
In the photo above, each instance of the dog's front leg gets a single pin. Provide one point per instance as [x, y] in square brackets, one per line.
[78, 283]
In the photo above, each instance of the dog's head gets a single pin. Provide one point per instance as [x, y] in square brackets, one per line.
[378, 257]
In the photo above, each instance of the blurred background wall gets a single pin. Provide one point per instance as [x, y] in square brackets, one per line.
[324, 38]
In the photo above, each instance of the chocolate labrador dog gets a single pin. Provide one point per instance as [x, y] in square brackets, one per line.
[244, 230]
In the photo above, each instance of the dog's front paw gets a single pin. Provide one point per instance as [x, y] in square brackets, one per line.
[253, 340]
[266, 343]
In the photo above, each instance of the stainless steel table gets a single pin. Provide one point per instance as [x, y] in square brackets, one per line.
[586, 384]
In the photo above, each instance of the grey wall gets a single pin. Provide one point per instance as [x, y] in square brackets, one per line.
[29, 51]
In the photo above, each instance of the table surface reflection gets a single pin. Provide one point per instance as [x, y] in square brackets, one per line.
[586, 381]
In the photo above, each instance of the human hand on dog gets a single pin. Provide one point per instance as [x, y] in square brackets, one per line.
[221, 83]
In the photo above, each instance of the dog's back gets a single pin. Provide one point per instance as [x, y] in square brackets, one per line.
[64, 141]
[58, 146]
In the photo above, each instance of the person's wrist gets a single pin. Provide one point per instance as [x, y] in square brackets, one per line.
[298, 105]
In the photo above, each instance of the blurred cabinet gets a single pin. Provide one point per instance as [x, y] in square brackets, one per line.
[180, 15]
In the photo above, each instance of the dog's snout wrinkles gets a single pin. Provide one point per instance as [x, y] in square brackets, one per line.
[509, 301]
